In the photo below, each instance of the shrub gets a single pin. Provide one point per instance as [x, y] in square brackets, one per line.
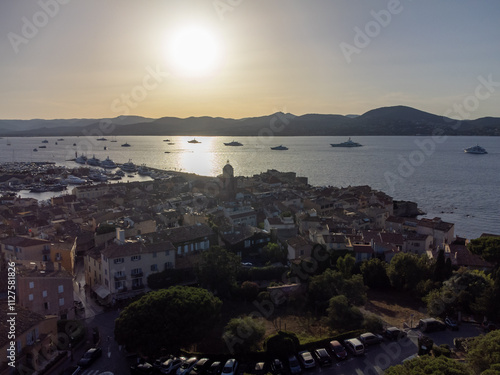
[282, 344]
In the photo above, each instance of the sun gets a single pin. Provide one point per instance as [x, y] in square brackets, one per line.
[194, 51]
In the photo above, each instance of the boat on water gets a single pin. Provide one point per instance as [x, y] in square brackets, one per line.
[128, 166]
[125, 145]
[45, 141]
[233, 143]
[171, 143]
[143, 170]
[94, 161]
[98, 176]
[82, 159]
[475, 150]
[348, 143]
[279, 148]
[73, 180]
[108, 163]
[60, 139]
[42, 146]
[35, 150]
[166, 140]
[194, 141]
[102, 139]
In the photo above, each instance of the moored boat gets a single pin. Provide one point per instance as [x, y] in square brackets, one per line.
[108, 163]
[279, 148]
[233, 143]
[348, 143]
[194, 141]
[475, 150]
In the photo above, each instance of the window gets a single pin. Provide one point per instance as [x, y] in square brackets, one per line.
[106, 282]
[119, 285]
[154, 255]
[154, 267]
[44, 293]
[45, 258]
[168, 265]
[60, 288]
[135, 258]
[106, 272]
[136, 271]
[119, 273]
[46, 305]
[167, 253]
[30, 297]
[119, 260]
[61, 301]
[32, 284]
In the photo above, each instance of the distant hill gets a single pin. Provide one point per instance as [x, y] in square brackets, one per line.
[397, 120]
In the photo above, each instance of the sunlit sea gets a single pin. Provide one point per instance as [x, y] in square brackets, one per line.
[434, 172]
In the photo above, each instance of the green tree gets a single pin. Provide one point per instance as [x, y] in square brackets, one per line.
[342, 315]
[217, 270]
[273, 252]
[427, 365]
[243, 334]
[249, 290]
[487, 247]
[282, 344]
[484, 352]
[168, 318]
[345, 265]
[439, 267]
[406, 270]
[355, 290]
[374, 273]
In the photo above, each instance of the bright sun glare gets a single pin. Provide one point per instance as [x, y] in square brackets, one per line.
[194, 51]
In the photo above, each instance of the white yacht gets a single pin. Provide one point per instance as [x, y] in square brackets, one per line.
[73, 180]
[475, 150]
[108, 163]
[93, 161]
[348, 143]
[128, 166]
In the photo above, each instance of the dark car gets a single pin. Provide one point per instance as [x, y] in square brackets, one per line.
[394, 333]
[215, 368]
[338, 350]
[171, 365]
[277, 367]
[369, 338]
[431, 325]
[89, 357]
[294, 365]
[323, 357]
[451, 324]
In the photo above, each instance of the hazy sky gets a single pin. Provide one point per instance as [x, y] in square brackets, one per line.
[241, 58]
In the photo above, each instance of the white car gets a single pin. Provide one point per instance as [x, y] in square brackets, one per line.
[230, 367]
[307, 359]
[187, 366]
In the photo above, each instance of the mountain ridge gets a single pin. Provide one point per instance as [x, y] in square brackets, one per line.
[394, 120]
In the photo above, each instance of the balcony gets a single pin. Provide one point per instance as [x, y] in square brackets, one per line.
[137, 274]
[120, 277]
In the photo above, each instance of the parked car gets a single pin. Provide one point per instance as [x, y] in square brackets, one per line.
[90, 357]
[277, 367]
[369, 338]
[323, 357]
[394, 333]
[215, 368]
[294, 365]
[338, 350]
[355, 346]
[431, 325]
[186, 367]
[200, 367]
[451, 324]
[171, 365]
[260, 368]
[307, 359]
[143, 369]
[230, 367]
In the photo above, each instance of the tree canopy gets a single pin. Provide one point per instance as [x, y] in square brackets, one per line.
[374, 273]
[342, 315]
[243, 334]
[217, 270]
[484, 352]
[406, 270]
[427, 365]
[487, 247]
[168, 318]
